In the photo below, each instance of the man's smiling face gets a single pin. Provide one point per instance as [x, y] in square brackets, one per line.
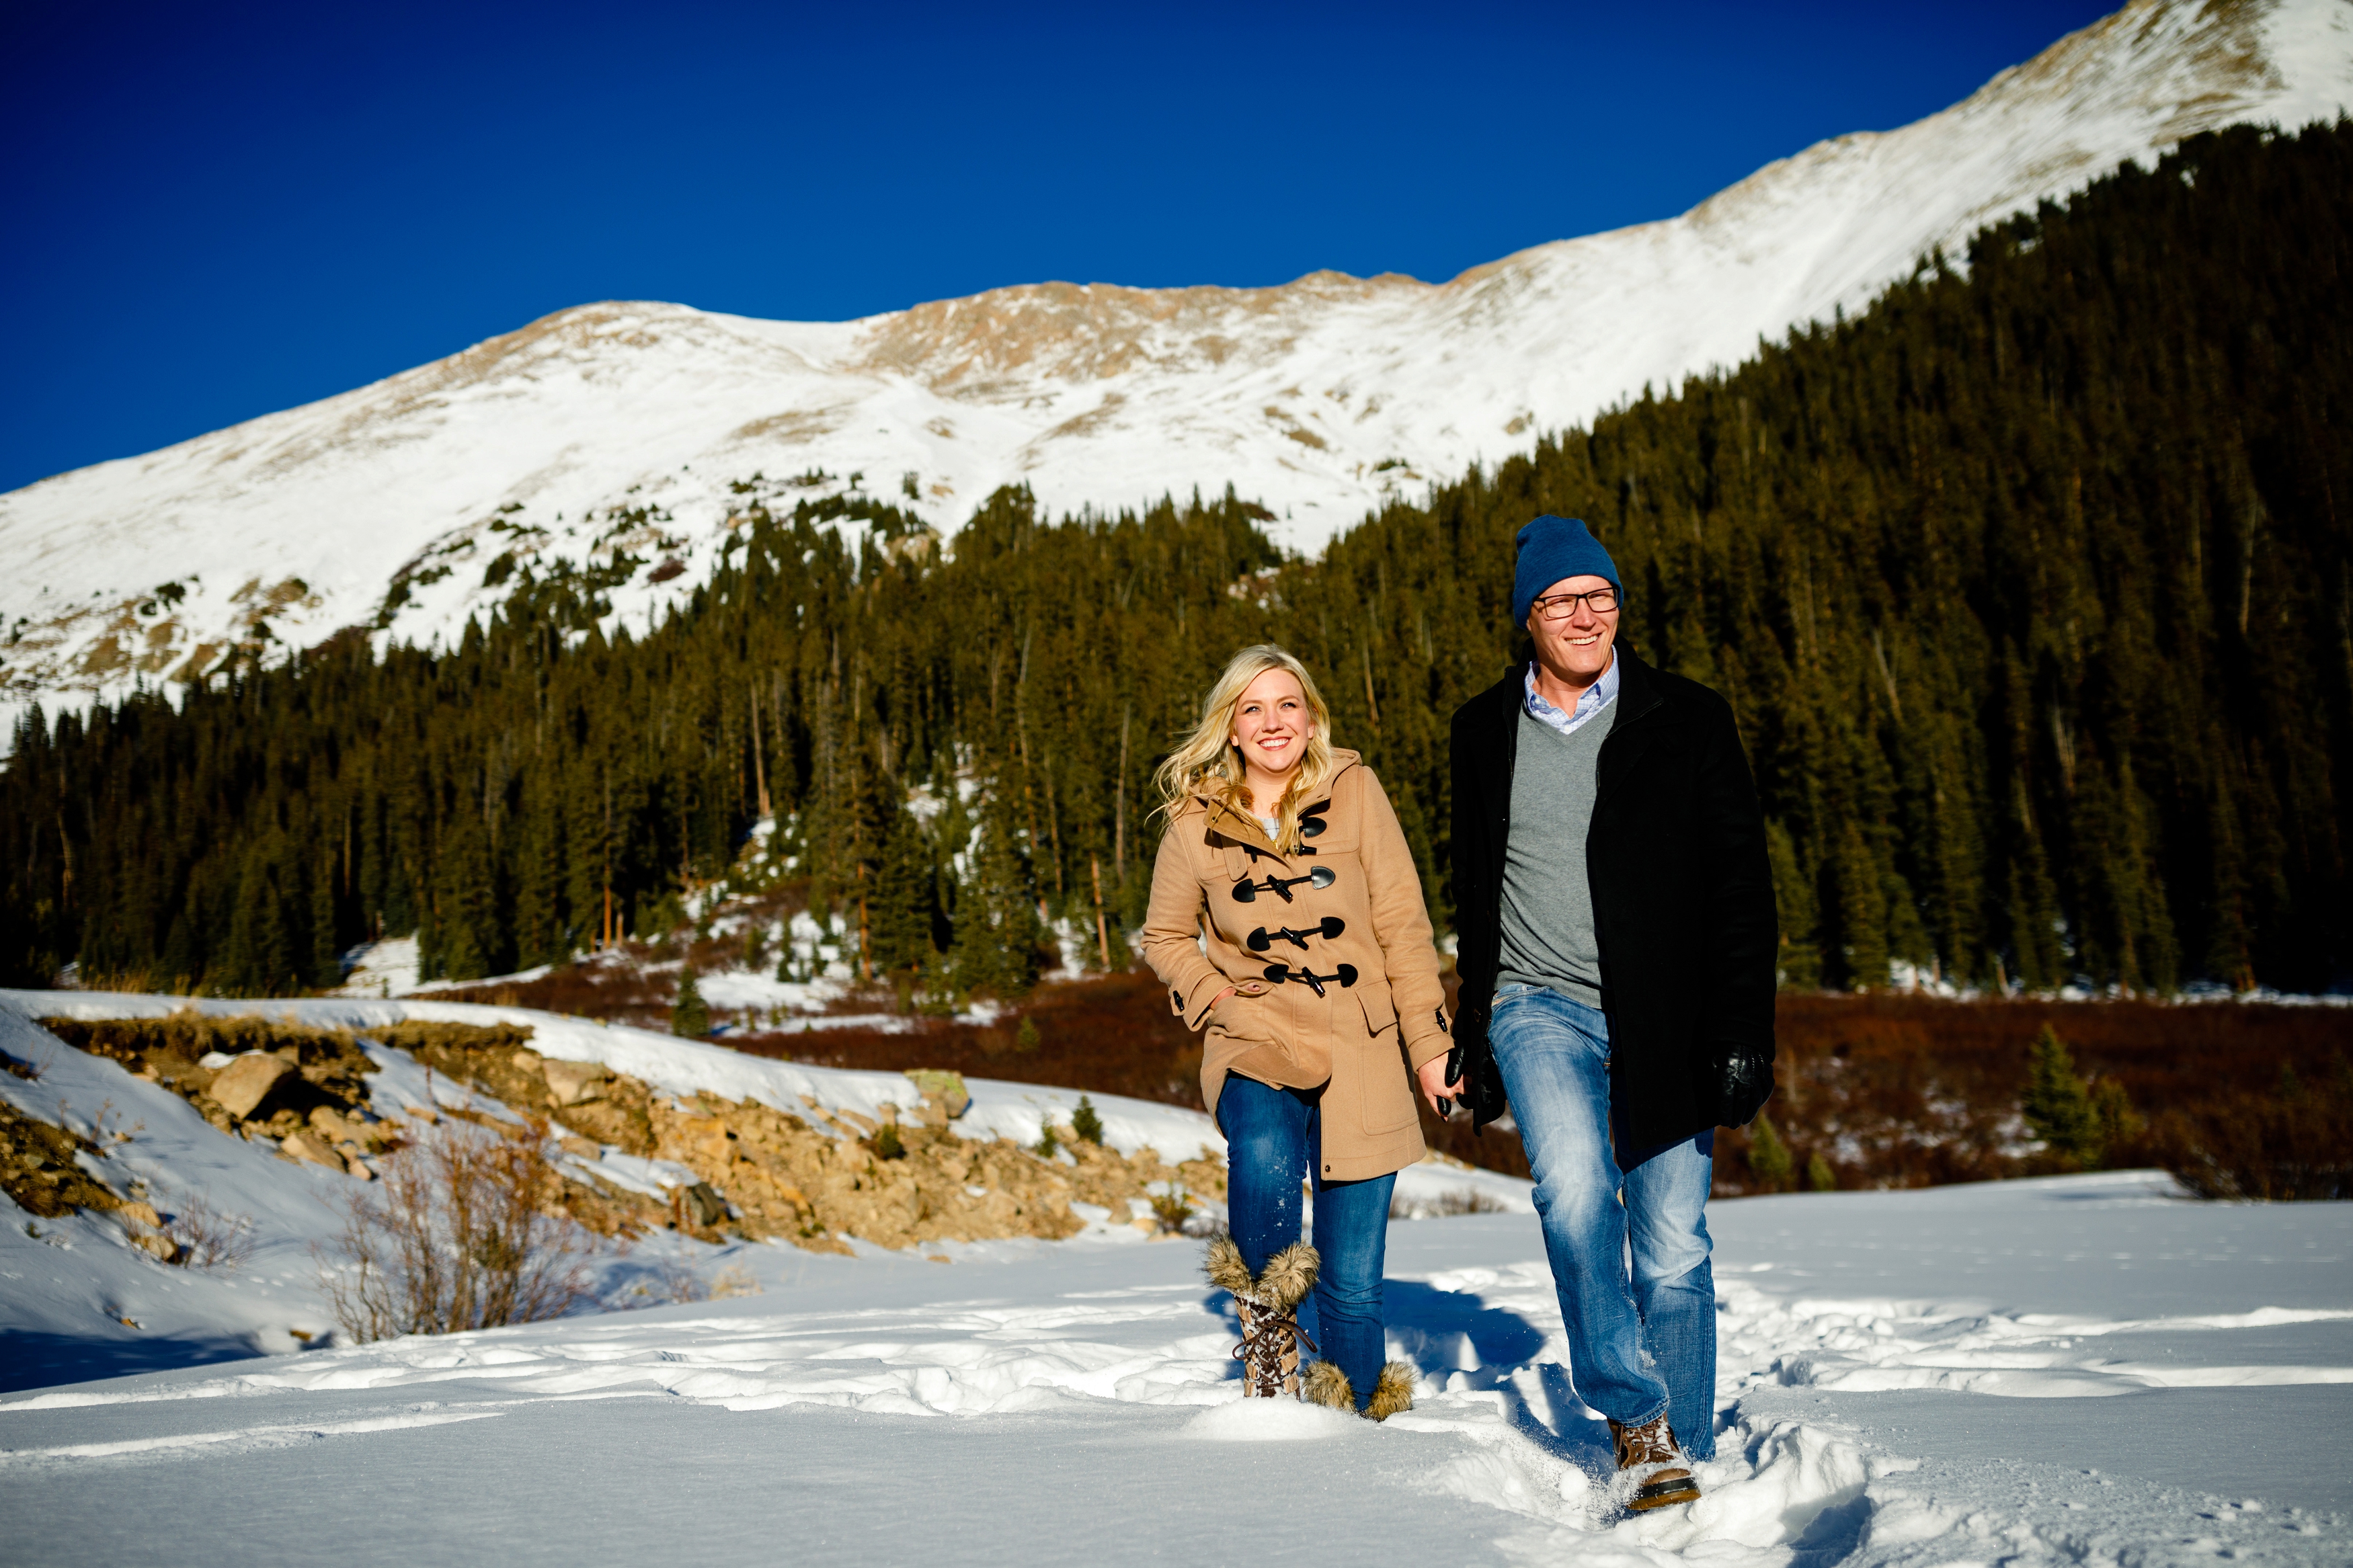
[1574, 645]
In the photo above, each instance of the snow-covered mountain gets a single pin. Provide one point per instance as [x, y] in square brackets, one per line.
[1318, 398]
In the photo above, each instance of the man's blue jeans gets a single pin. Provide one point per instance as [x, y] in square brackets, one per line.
[1275, 1139]
[1639, 1347]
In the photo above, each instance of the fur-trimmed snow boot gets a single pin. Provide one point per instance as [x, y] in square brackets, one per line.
[1327, 1386]
[1661, 1479]
[1269, 1308]
[1393, 1392]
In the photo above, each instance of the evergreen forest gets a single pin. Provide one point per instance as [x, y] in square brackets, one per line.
[2030, 585]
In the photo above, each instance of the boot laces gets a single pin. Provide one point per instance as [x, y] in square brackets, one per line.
[1647, 1445]
[1267, 1336]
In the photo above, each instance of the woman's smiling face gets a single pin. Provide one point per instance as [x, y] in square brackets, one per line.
[1272, 723]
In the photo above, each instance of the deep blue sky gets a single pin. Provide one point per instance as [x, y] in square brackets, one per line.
[207, 213]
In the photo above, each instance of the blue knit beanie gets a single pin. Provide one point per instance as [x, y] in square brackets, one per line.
[1552, 548]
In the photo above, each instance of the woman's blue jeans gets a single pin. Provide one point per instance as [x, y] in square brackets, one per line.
[1643, 1347]
[1275, 1139]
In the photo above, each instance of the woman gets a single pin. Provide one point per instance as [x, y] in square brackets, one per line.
[1287, 915]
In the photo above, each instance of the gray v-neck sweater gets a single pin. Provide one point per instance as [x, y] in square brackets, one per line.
[1547, 906]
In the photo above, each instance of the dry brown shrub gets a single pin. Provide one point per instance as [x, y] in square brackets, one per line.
[733, 1281]
[2294, 1143]
[1897, 1090]
[210, 1240]
[1109, 1036]
[456, 1234]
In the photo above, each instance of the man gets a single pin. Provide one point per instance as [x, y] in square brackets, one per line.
[1617, 933]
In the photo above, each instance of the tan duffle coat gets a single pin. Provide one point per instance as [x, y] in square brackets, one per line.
[1380, 1013]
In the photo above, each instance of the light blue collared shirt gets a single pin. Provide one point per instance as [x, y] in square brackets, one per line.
[1598, 696]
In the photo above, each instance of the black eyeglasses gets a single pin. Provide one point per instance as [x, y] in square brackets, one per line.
[1560, 606]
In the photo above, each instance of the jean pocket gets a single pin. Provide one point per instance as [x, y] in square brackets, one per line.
[1512, 992]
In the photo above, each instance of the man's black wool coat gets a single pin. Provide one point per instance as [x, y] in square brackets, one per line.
[1683, 893]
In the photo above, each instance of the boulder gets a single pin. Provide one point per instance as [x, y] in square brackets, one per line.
[307, 1148]
[162, 1249]
[944, 1090]
[575, 1083]
[705, 1207]
[142, 1213]
[249, 1081]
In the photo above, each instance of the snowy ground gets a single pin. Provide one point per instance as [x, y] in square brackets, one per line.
[2090, 1369]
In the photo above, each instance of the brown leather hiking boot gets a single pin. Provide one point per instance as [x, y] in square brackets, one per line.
[1651, 1449]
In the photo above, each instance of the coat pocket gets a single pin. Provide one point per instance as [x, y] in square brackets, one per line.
[1388, 1088]
[1246, 1014]
[1380, 1007]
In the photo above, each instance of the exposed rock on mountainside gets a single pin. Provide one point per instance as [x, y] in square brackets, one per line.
[616, 441]
[812, 1179]
[39, 1171]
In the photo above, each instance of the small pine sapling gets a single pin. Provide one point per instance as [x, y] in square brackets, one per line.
[1025, 1038]
[1172, 1210]
[1047, 1144]
[690, 1015]
[1768, 1157]
[886, 1145]
[2113, 1111]
[1085, 1124]
[1818, 1175]
[2058, 1106]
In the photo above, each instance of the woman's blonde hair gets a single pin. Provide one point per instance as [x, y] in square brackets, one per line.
[1206, 763]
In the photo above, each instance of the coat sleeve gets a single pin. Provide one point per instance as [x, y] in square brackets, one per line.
[1172, 929]
[1468, 853]
[1401, 922]
[1742, 924]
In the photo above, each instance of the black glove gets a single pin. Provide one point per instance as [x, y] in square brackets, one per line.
[1743, 1081]
[1474, 1080]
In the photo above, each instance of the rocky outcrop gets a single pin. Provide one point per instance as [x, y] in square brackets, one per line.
[942, 1089]
[306, 1089]
[574, 1083]
[812, 1176]
[38, 1170]
[816, 1176]
[246, 1081]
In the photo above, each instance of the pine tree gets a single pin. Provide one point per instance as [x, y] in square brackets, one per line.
[997, 928]
[690, 1015]
[1768, 1157]
[2058, 1106]
[901, 900]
